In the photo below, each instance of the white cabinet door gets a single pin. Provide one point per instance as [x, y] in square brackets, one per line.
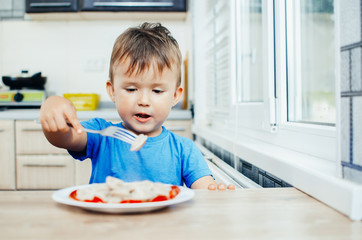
[7, 155]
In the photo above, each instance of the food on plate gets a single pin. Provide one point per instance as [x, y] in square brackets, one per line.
[115, 190]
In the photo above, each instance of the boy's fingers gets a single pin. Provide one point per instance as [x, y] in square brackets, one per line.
[231, 187]
[221, 187]
[212, 187]
[74, 122]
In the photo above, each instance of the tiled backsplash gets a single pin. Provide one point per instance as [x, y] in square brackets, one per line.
[252, 172]
[351, 89]
[73, 55]
[12, 9]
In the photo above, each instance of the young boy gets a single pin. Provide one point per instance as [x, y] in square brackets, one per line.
[145, 79]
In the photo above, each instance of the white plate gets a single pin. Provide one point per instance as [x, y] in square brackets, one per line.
[62, 196]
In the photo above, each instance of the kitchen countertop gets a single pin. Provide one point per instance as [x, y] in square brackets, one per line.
[272, 213]
[105, 113]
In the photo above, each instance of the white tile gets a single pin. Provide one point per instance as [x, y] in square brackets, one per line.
[65, 51]
[356, 69]
[19, 5]
[352, 175]
[345, 129]
[345, 77]
[357, 130]
[91, 43]
[36, 46]
[6, 5]
[350, 22]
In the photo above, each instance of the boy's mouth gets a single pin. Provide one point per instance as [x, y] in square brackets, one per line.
[142, 117]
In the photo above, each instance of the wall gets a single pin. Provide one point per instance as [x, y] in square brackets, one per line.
[351, 89]
[73, 54]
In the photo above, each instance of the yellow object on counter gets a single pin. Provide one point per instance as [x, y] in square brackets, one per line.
[83, 101]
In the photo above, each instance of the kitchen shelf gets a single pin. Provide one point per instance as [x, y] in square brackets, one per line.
[91, 16]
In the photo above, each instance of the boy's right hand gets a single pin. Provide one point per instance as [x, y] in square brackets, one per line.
[61, 125]
[58, 114]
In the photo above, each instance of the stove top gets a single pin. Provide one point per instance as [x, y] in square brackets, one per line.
[22, 98]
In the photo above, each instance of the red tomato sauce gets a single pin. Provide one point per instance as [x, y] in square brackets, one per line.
[175, 190]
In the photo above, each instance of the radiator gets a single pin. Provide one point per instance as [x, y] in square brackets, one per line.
[224, 173]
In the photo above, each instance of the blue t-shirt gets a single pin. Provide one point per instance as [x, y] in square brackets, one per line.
[167, 158]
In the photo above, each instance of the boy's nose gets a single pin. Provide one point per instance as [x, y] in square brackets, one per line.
[143, 99]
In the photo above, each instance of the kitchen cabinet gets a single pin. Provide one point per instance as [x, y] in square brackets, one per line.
[42, 6]
[44, 171]
[48, 6]
[40, 165]
[7, 153]
[134, 6]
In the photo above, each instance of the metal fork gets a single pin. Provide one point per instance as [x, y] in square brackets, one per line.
[136, 141]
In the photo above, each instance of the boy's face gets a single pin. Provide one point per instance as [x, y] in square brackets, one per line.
[144, 101]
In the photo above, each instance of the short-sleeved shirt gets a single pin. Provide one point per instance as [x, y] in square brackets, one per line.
[167, 158]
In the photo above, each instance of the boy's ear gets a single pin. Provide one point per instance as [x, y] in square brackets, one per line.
[110, 90]
[177, 96]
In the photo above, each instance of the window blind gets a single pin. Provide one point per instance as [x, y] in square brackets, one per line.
[219, 57]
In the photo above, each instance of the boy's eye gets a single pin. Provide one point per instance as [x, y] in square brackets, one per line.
[157, 91]
[131, 89]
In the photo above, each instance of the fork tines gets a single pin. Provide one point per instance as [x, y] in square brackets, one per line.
[125, 135]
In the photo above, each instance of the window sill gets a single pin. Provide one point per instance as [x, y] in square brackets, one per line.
[314, 176]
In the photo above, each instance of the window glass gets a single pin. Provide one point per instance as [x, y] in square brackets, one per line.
[311, 61]
[251, 43]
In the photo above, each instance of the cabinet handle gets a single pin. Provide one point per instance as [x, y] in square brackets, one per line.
[133, 4]
[42, 165]
[31, 129]
[51, 4]
[176, 128]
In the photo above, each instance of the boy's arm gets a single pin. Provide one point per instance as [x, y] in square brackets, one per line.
[207, 182]
[60, 124]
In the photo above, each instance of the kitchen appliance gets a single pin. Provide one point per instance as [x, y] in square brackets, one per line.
[24, 91]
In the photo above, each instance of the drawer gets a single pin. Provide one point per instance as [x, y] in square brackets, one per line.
[44, 171]
[180, 127]
[31, 140]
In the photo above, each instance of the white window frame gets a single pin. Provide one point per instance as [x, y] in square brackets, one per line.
[267, 121]
[304, 155]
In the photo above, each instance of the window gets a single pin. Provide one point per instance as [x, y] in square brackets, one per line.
[310, 54]
[251, 51]
[270, 73]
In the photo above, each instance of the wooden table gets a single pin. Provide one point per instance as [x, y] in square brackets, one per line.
[277, 213]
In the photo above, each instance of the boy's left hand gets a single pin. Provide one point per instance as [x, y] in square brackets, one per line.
[221, 187]
[207, 182]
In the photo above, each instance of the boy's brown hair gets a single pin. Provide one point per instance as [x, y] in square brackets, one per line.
[143, 45]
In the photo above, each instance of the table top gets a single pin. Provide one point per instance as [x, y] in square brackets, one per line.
[275, 213]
